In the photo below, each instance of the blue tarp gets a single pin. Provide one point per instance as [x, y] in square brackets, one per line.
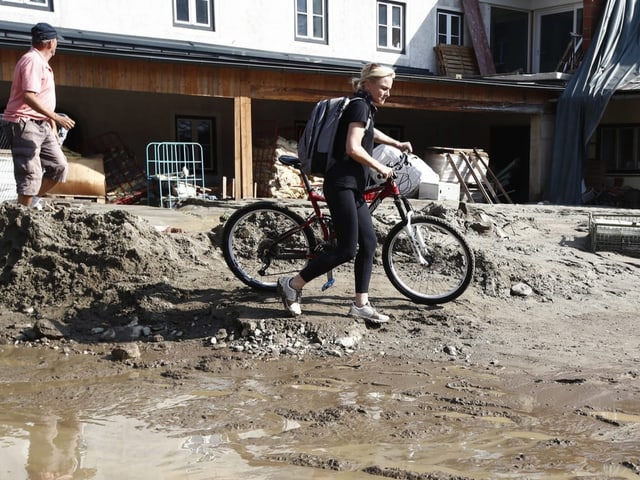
[613, 58]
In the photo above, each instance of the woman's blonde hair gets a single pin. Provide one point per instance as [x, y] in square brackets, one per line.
[371, 71]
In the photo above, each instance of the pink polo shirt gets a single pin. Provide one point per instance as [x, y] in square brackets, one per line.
[32, 74]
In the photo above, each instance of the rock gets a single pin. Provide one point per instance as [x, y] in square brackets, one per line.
[47, 329]
[521, 290]
[451, 350]
[481, 227]
[126, 352]
[221, 334]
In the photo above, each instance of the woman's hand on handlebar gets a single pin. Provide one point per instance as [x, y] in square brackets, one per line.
[385, 172]
[405, 147]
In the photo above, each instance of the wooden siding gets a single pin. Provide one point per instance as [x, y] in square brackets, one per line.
[205, 80]
[246, 84]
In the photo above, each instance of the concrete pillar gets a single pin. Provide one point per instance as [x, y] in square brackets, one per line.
[542, 128]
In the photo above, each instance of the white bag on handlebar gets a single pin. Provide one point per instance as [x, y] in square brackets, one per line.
[410, 170]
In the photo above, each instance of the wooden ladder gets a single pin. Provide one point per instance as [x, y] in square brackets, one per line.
[485, 182]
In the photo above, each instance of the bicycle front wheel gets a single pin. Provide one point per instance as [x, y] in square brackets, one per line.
[264, 241]
[429, 261]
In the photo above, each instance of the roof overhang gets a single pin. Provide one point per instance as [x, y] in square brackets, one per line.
[17, 35]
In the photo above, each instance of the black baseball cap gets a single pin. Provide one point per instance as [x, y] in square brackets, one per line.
[44, 31]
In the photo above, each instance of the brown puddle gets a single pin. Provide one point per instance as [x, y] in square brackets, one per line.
[314, 420]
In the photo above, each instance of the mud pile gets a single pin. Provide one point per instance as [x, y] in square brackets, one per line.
[57, 257]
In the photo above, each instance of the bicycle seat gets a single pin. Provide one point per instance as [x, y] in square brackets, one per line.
[290, 160]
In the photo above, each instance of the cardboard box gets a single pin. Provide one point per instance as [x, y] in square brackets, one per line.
[439, 191]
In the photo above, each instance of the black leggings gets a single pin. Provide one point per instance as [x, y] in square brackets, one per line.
[355, 235]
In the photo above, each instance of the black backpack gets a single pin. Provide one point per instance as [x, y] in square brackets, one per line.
[315, 147]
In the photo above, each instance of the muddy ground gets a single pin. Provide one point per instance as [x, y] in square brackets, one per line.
[102, 311]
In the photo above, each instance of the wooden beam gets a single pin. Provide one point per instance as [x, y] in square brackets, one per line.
[243, 161]
[478, 37]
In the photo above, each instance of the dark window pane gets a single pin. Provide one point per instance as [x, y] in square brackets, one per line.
[554, 38]
[182, 10]
[184, 130]
[202, 12]
[382, 14]
[318, 7]
[396, 38]
[626, 148]
[302, 6]
[455, 26]
[318, 27]
[509, 40]
[302, 25]
[396, 17]
[382, 36]
[442, 24]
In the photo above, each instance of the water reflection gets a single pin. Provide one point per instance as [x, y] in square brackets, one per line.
[43, 447]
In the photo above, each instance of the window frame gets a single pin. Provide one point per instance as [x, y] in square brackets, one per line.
[210, 151]
[390, 27]
[192, 4]
[448, 35]
[309, 13]
[48, 5]
[612, 150]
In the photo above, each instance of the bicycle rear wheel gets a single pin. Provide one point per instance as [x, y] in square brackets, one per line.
[264, 241]
[431, 263]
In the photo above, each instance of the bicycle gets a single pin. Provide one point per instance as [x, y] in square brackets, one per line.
[426, 258]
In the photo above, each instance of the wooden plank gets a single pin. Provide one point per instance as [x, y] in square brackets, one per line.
[463, 184]
[478, 37]
[475, 164]
[243, 164]
[76, 198]
[492, 176]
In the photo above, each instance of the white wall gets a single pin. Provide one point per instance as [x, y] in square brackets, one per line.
[270, 25]
[263, 25]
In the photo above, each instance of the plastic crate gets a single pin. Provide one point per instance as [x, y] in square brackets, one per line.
[615, 233]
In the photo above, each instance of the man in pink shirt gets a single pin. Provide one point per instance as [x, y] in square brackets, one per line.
[31, 120]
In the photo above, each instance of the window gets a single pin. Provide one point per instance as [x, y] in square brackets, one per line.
[620, 147]
[40, 4]
[193, 13]
[201, 130]
[510, 40]
[311, 20]
[554, 34]
[391, 26]
[449, 28]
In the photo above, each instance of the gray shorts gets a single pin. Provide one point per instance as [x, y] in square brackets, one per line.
[36, 154]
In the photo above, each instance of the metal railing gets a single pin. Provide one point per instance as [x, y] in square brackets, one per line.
[175, 171]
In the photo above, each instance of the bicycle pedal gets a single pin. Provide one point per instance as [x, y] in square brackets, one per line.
[329, 283]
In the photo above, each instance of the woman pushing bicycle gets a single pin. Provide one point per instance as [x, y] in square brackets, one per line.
[343, 188]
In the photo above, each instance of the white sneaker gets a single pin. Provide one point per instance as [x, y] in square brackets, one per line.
[367, 312]
[36, 203]
[290, 296]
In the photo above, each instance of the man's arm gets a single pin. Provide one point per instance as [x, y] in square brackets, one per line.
[31, 99]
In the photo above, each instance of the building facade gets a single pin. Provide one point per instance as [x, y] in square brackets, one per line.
[233, 75]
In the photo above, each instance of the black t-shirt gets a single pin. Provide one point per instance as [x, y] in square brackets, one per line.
[347, 173]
